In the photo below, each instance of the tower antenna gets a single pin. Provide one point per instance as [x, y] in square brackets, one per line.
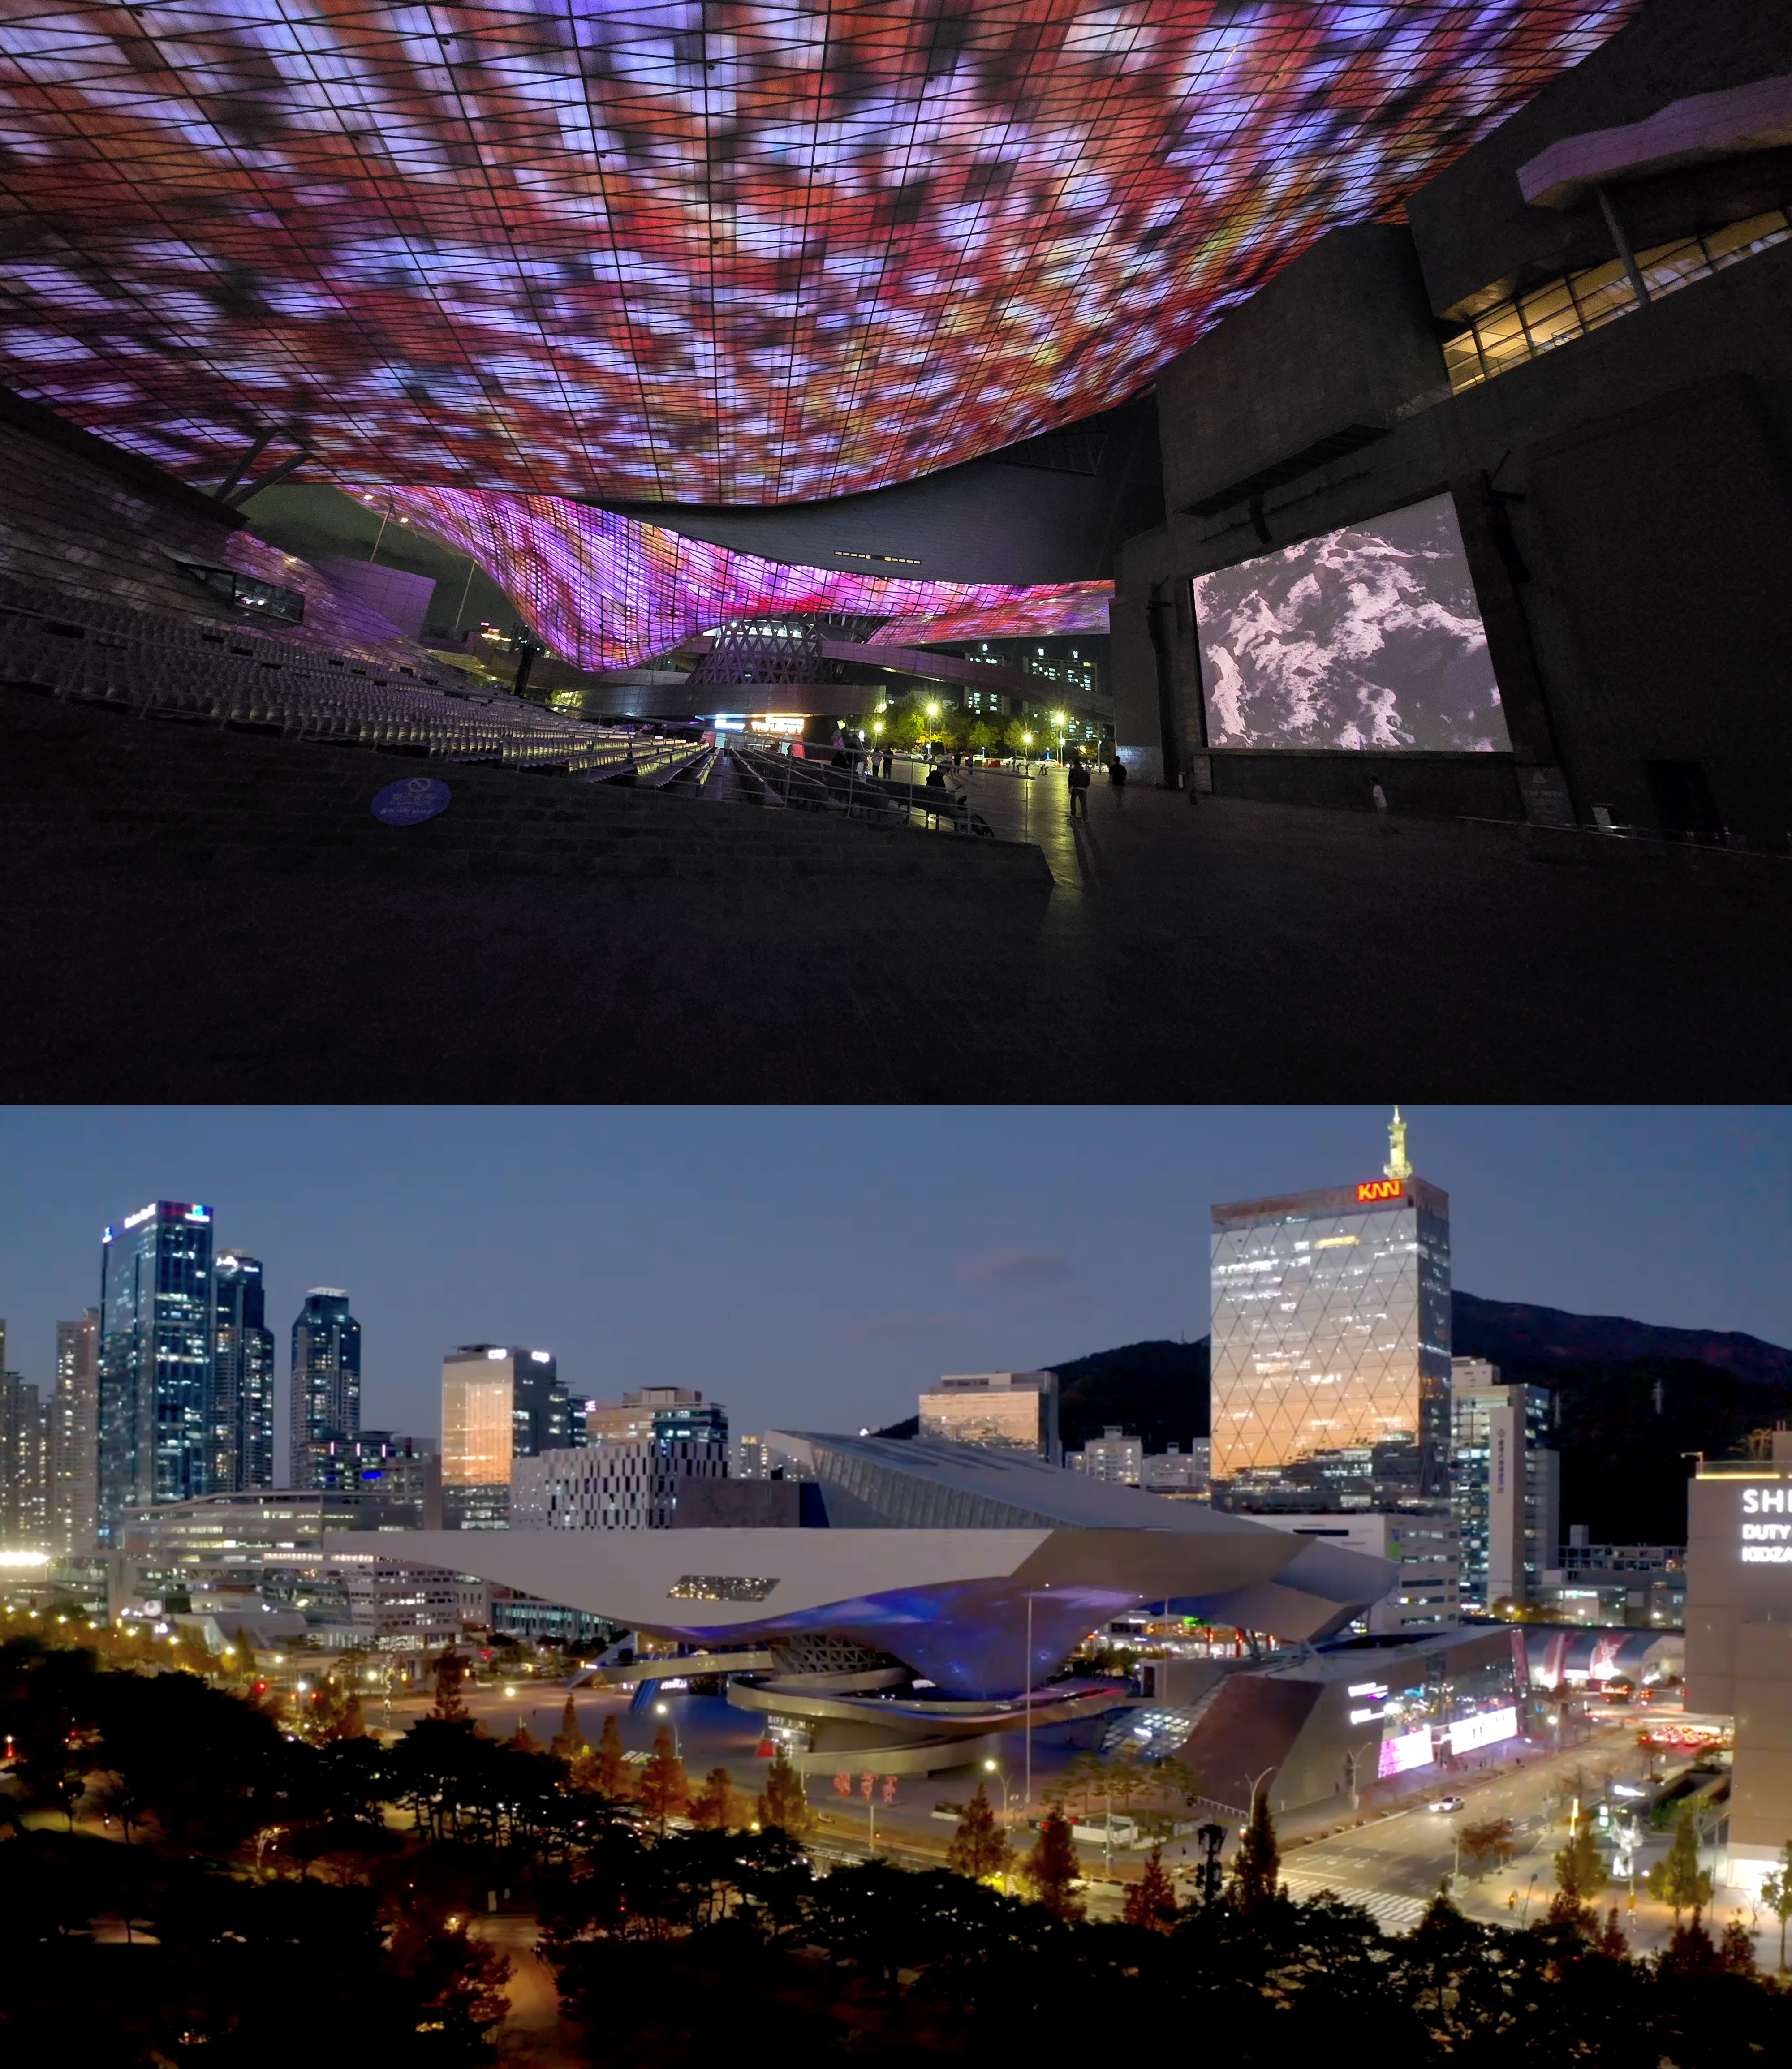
[1397, 1166]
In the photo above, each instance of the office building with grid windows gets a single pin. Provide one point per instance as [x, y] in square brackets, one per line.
[1331, 1345]
[500, 1403]
[155, 1361]
[326, 1378]
[1504, 1479]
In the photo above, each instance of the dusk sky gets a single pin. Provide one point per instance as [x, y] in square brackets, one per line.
[815, 1268]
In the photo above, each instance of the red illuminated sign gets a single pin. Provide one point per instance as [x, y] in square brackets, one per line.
[1380, 1188]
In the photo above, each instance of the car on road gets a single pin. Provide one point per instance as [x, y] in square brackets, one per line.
[1447, 1803]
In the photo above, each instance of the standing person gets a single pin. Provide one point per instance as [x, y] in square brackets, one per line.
[1078, 780]
[1378, 798]
[1117, 782]
[889, 762]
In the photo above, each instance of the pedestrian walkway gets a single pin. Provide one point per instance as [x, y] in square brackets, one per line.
[1392, 1913]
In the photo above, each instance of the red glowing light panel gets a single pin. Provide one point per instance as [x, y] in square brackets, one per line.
[606, 591]
[1380, 1188]
[756, 250]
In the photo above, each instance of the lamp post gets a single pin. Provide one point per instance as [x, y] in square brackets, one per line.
[665, 1710]
[1000, 1774]
[1355, 1758]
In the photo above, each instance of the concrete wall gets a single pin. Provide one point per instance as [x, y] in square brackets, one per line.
[1475, 230]
[1625, 500]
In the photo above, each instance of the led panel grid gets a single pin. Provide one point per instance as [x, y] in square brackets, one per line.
[606, 591]
[724, 252]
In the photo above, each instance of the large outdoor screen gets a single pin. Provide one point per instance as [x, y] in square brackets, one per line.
[750, 251]
[1368, 637]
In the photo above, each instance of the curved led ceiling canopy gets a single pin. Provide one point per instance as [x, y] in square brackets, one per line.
[704, 251]
[606, 591]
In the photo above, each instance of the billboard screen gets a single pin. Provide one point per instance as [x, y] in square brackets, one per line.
[606, 591]
[1400, 1755]
[1368, 637]
[1491, 1727]
[762, 252]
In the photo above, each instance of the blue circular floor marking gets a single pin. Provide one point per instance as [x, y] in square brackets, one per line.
[411, 800]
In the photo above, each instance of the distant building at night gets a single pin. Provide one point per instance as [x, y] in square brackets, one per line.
[75, 1440]
[243, 1377]
[500, 1403]
[157, 1347]
[325, 1400]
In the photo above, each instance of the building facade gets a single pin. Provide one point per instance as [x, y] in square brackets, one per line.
[1113, 1456]
[243, 1376]
[402, 1474]
[155, 1361]
[1330, 1344]
[500, 1403]
[25, 1477]
[1185, 1474]
[324, 1401]
[75, 1440]
[622, 1484]
[1000, 1411]
[657, 1411]
[1421, 1547]
[1504, 1481]
[751, 1459]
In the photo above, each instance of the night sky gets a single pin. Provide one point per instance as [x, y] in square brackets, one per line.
[815, 1268]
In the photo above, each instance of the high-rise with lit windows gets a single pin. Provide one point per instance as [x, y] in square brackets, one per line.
[243, 1377]
[499, 1403]
[155, 1361]
[325, 1397]
[75, 1440]
[1331, 1345]
[1504, 1481]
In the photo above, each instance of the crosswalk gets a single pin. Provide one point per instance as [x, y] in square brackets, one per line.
[1392, 1913]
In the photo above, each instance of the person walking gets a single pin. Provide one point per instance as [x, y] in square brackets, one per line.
[1078, 781]
[1117, 782]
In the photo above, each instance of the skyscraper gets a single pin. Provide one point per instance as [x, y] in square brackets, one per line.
[326, 1378]
[499, 1403]
[155, 1360]
[75, 1440]
[24, 1466]
[243, 1378]
[1331, 1344]
[1504, 1482]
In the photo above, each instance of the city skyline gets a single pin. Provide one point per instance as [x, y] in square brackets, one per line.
[633, 1244]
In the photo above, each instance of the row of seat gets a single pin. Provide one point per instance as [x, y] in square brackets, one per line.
[155, 666]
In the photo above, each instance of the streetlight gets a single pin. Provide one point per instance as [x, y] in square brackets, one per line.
[664, 1710]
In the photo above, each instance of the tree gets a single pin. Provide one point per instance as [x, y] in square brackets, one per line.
[1015, 736]
[1580, 1867]
[242, 1659]
[1259, 1862]
[1151, 1901]
[451, 1672]
[603, 1769]
[783, 1807]
[664, 1790]
[568, 1741]
[1736, 1949]
[979, 1848]
[712, 1804]
[1691, 1952]
[1495, 1840]
[981, 737]
[522, 1739]
[1052, 1870]
[1677, 1879]
[1776, 1893]
[1612, 1942]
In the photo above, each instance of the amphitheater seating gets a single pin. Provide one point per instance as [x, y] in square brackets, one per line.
[161, 666]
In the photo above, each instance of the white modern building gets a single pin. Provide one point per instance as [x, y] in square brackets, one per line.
[1422, 1548]
[1504, 1483]
[1113, 1456]
[619, 1484]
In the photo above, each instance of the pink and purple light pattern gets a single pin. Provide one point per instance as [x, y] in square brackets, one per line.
[741, 251]
[606, 591]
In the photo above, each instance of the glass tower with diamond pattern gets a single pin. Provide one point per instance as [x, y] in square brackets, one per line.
[1331, 1345]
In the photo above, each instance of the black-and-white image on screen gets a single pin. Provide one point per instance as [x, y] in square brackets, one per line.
[1366, 637]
